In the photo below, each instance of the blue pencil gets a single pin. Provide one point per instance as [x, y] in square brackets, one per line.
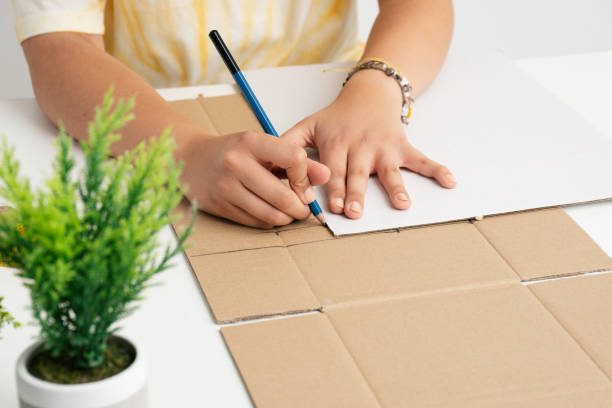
[227, 57]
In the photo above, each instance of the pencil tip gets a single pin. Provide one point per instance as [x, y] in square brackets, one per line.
[321, 219]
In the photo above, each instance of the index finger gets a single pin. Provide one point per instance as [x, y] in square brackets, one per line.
[288, 156]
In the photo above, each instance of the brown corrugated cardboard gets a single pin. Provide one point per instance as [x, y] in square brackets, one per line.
[227, 112]
[312, 231]
[215, 235]
[297, 362]
[369, 267]
[192, 109]
[477, 347]
[428, 316]
[543, 243]
[480, 346]
[595, 398]
[365, 267]
[194, 112]
[247, 284]
[583, 305]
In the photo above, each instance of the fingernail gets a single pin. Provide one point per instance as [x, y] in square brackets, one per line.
[309, 195]
[450, 178]
[355, 207]
[339, 202]
[401, 197]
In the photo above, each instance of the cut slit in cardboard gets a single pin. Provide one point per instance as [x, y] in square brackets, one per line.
[422, 316]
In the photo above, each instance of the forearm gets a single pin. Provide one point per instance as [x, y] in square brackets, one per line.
[71, 72]
[414, 36]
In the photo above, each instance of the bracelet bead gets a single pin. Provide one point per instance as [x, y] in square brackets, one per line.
[389, 70]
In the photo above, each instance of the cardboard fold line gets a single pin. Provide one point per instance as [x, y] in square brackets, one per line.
[229, 113]
[216, 235]
[582, 306]
[255, 283]
[494, 346]
[426, 294]
[298, 362]
[379, 265]
[543, 243]
[482, 347]
[194, 111]
[271, 315]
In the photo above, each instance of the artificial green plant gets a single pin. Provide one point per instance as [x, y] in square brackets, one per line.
[6, 319]
[86, 244]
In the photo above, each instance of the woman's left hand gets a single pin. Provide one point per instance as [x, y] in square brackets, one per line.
[361, 133]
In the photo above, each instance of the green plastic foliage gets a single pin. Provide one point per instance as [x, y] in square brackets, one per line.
[86, 246]
[6, 319]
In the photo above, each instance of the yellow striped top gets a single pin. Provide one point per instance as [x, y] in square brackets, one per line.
[166, 41]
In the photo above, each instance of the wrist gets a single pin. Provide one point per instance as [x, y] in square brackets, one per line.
[187, 141]
[390, 71]
[375, 92]
[374, 87]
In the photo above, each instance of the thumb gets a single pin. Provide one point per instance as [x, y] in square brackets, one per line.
[302, 134]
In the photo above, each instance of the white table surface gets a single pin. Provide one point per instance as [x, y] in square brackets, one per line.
[189, 365]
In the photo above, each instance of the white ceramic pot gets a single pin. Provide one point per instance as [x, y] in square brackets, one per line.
[125, 389]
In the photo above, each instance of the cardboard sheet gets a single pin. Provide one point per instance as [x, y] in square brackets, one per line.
[297, 363]
[247, 273]
[583, 305]
[596, 398]
[511, 144]
[421, 316]
[488, 345]
[543, 243]
[479, 347]
[418, 261]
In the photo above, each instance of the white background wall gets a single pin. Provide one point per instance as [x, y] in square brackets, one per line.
[519, 28]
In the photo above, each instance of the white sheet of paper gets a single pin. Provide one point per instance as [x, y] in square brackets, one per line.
[510, 143]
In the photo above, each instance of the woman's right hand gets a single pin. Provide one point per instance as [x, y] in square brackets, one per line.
[230, 177]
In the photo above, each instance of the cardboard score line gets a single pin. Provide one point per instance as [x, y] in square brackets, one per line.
[423, 290]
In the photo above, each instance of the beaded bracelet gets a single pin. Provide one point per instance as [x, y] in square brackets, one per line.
[389, 70]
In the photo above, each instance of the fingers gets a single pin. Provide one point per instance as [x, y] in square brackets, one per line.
[262, 196]
[240, 216]
[335, 157]
[389, 175]
[419, 163]
[253, 205]
[271, 190]
[358, 174]
[301, 134]
[287, 155]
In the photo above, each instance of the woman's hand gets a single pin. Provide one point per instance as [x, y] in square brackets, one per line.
[230, 176]
[360, 133]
